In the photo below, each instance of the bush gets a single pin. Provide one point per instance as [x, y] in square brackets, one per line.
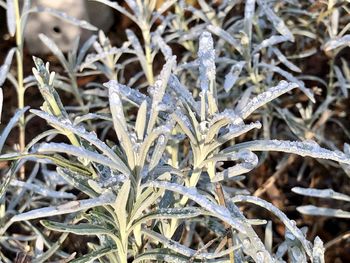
[148, 163]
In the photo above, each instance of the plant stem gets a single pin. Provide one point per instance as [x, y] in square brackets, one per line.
[148, 53]
[20, 90]
[222, 202]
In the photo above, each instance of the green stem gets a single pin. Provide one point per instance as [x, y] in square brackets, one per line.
[148, 53]
[20, 90]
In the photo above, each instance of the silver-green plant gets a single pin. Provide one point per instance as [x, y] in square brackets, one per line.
[177, 153]
[137, 196]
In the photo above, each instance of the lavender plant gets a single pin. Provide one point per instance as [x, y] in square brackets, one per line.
[174, 157]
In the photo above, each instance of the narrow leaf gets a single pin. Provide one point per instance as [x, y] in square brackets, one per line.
[192, 193]
[321, 193]
[267, 96]
[321, 211]
[4, 69]
[70, 207]
[64, 16]
[11, 17]
[206, 56]
[79, 229]
[13, 121]
[288, 223]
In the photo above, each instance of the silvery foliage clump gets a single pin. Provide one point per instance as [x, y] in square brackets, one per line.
[178, 147]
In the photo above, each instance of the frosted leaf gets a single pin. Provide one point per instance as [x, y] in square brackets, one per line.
[162, 81]
[233, 132]
[76, 151]
[161, 255]
[347, 149]
[112, 180]
[166, 50]
[253, 243]
[13, 121]
[158, 151]
[275, 20]
[232, 76]
[266, 97]
[228, 114]
[164, 130]
[67, 208]
[159, 90]
[1, 102]
[248, 161]
[134, 7]
[268, 236]
[318, 251]
[226, 36]
[296, 254]
[119, 123]
[119, 8]
[185, 125]
[90, 137]
[192, 193]
[335, 43]
[321, 211]
[135, 43]
[64, 16]
[182, 92]
[91, 116]
[127, 93]
[244, 99]
[4, 69]
[285, 61]
[55, 50]
[11, 17]
[306, 148]
[273, 40]
[162, 213]
[84, 49]
[249, 11]
[291, 78]
[117, 111]
[206, 55]
[92, 58]
[226, 118]
[341, 81]
[321, 193]
[39, 189]
[288, 223]
[184, 250]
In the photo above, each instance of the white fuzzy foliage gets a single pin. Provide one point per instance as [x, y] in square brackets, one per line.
[267, 96]
[4, 69]
[206, 56]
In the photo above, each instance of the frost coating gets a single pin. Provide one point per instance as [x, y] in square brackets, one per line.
[70, 207]
[11, 17]
[219, 211]
[306, 148]
[321, 193]
[266, 97]
[291, 78]
[232, 76]
[4, 69]
[288, 223]
[318, 251]
[89, 136]
[335, 43]
[322, 211]
[276, 21]
[206, 56]
[78, 152]
[126, 92]
[248, 160]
